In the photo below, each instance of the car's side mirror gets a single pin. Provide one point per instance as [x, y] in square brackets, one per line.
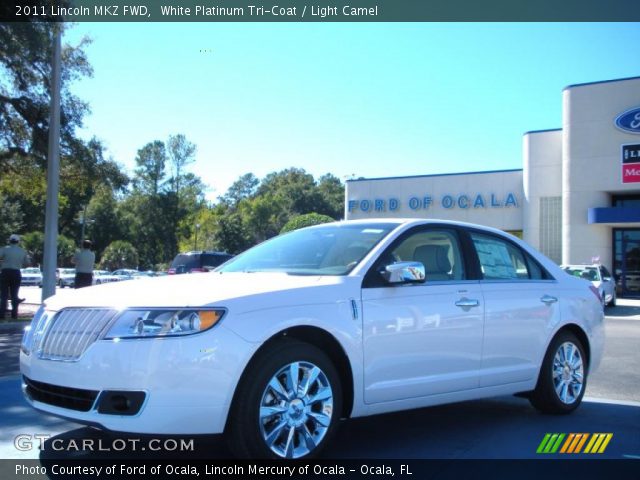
[404, 272]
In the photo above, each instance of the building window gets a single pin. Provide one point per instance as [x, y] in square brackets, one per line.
[551, 227]
[627, 201]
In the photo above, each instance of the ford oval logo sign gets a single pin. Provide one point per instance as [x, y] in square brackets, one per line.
[629, 121]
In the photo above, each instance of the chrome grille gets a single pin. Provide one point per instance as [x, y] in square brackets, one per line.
[72, 331]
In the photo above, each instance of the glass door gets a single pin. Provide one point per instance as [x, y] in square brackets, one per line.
[626, 254]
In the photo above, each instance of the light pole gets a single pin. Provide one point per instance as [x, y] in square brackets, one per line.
[84, 221]
[195, 243]
[53, 173]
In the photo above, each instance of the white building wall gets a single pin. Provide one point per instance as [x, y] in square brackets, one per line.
[592, 163]
[542, 178]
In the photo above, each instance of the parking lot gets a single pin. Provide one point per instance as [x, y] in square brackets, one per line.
[500, 428]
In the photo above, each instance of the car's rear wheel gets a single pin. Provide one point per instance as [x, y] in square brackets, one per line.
[612, 303]
[287, 404]
[563, 376]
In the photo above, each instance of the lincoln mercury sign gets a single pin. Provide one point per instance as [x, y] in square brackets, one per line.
[427, 202]
[631, 163]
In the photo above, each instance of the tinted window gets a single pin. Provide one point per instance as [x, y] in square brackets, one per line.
[186, 261]
[214, 259]
[501, 260]
[437, 250]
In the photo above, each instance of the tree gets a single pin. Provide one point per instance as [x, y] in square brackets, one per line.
[119, 254]
[306, 220]
[263, 216]
[103, 222]
[150, 169]
[33, 243]
[244, 187]
[332, 191]
[180, 153]
[10, 218]
[25, 56]
[231, 235]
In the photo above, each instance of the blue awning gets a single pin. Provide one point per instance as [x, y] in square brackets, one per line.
[613, 215]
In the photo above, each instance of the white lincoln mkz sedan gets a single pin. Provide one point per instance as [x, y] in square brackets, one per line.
[339, 320]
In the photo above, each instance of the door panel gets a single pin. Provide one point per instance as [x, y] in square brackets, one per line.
[517, 322]
[417, 342]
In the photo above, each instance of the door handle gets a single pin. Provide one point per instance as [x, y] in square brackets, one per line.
[548, 299]
[467, 303]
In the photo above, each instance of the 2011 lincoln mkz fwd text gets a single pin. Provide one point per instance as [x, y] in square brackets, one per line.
[338, 320]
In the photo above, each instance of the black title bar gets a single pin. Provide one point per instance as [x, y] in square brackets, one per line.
[320, 11]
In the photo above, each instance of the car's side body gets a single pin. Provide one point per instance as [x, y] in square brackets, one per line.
[66, 277]
[31, 276]
[460, 336]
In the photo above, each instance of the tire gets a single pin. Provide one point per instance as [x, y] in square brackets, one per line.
[563, 376]
[612, 303]
[268, 419]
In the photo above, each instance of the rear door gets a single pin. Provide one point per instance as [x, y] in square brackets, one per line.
[521, 307]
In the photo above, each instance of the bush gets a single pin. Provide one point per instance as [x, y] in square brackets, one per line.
[306, 220]
[119, 254]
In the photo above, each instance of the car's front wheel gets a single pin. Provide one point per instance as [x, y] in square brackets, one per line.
[287, 404]
[563, 376]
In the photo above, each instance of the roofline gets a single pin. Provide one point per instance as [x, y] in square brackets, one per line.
[542, 131]
[435, 175]
[598, 83]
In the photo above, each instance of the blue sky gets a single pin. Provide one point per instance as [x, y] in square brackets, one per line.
[370, 100]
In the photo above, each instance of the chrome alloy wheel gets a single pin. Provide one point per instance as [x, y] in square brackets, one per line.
[568, 373]
[296, 410]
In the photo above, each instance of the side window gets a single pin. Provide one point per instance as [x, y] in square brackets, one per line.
[501, 260]
[605, 273]
[437, 250]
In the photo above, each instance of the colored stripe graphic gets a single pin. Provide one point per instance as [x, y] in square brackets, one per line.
[574, 442]
[598, 443]
[550, 443]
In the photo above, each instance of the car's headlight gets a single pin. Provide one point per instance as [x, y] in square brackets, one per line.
[35, 329]
[163, 322]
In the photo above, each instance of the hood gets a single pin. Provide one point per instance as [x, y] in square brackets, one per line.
[187, 290]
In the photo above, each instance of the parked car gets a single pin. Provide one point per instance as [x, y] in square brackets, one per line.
[31, 276]
[103, 276]
[193, 262]
[66, 277]
[600, 277]
[125, 274]
[338, 320]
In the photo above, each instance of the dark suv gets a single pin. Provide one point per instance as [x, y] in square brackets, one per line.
[191, 262]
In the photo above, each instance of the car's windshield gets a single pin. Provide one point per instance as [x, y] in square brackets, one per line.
[588, 273]
[31, 270]
[332, 249]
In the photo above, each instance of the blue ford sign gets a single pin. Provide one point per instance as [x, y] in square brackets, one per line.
[629, 121]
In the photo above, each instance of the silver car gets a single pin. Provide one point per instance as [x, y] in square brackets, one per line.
[600, 277]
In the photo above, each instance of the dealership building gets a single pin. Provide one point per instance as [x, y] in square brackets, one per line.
[576, 198]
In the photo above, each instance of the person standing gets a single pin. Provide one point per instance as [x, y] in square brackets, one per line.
[12, 259]
[84, 260]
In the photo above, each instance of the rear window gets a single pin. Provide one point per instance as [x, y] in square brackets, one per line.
[213, 260]
[186, 261]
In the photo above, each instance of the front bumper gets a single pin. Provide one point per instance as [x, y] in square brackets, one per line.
[187, 382]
